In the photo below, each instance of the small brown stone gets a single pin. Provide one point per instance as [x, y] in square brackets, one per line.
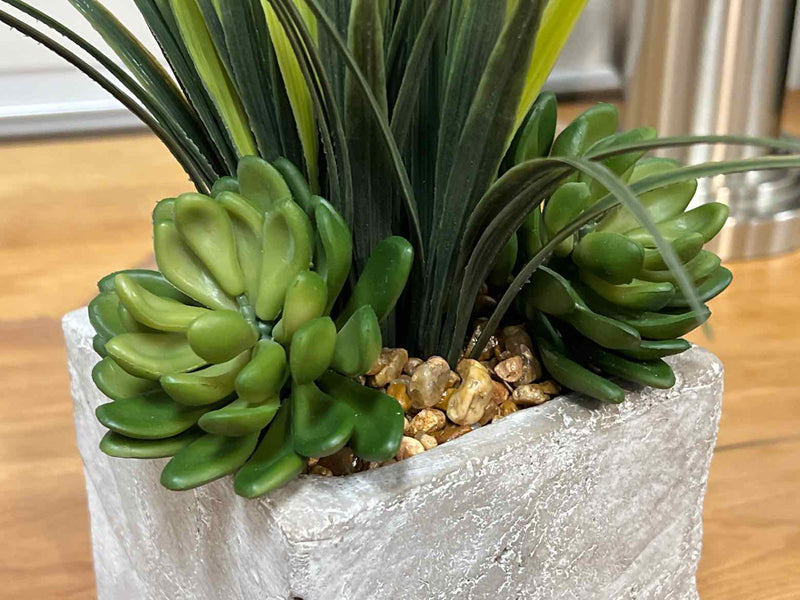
[389, 366]
[428, 420]
[407, 429]
[428, 382]
[451, 432]
[453, 380]
[409, 447]
[470, 400]
[491, 410]
[500, 392]
[550, 387]
[343, 462]
[427, 440]
[505, 409]
[320, 470]
[530, 394]
[373, 465]
[312, 461]
[399, 391]
[445, 401]
[516, 339]
[484, 305]
[411, 365]
[510, 369]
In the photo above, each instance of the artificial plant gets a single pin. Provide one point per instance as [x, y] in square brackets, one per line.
[418, 120]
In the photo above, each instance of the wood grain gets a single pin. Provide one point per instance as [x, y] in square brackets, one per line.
[76, 209]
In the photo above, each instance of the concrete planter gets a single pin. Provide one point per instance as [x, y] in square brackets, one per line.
[568, 500]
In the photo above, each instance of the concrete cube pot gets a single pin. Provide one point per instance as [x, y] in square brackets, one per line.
[568, 500]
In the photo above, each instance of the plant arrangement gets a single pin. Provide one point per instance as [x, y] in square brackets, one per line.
[376, 181]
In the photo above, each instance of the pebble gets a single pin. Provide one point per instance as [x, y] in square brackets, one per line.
[320, 470]
[409, 447]
[468, 403]
[411, 365]
[429, 382]
[428, 420]
[445, 400]
[398, 390]
[530, 394]
[427, 440]
[505, 409]
[388, 367]
[343, 462]
[451, 432]
[510, 369]
[500, 392]
[489, 414]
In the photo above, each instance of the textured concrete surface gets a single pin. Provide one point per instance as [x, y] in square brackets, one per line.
[569, 500]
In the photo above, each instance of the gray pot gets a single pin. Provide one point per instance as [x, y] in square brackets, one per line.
[570, 499]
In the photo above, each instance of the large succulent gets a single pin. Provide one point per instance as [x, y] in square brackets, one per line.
[606, 301]
[417, 118]
[236, 335]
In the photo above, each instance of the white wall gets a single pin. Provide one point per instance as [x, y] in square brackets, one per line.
[41, 93]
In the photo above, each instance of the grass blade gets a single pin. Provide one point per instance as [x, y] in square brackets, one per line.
[326, 107]
[209, 65]
[408, 95]
[558, 20]
[143, 65]
[409, 205]
[166, 117]
[693, 140]
[161, 22]
[373, 201]
[481, 147]
[249, 47]
[475, 33]
[297, 92]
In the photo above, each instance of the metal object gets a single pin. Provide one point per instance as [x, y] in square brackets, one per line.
[717, 67]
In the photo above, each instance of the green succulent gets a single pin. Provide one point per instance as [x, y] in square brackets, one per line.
[606, 301]
[236, 335]
[415, 118]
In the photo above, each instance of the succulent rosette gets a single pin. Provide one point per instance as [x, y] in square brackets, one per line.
[238, 354]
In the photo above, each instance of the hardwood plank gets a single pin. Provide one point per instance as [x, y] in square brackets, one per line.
[756, 325]
[43, 515]
[751, 544]
[73, 211]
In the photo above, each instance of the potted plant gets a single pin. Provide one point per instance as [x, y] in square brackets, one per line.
[389, 247]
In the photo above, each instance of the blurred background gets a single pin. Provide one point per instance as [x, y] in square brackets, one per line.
[79, 176]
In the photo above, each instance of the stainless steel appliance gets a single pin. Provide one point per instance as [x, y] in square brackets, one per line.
[717, 67]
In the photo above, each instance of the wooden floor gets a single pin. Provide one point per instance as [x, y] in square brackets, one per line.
[73, 210]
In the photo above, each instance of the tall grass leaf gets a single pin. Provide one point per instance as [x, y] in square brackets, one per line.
[475, 34]
[339, 13]
[161, 22]
[415, 71]
[478, 154]
[373, 197]
[558, 21]
[323, 98]
[209, 65]
[297, 92]
[399, 170]
[249, 47]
